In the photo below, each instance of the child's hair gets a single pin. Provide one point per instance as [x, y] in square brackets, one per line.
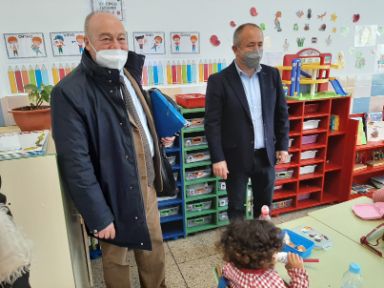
[251, 244]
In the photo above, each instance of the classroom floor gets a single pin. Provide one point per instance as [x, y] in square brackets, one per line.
[190, 261]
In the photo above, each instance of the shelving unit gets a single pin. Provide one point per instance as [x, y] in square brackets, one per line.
[362, 176]
[171, 209]
[205, 196]
[319, 156]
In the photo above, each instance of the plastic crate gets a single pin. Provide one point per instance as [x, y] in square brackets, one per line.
[307, 169]
[199, 189]
[309, 154]
[195, 141]
[199, 221]
[283, 174]
[298, 240]
[222, 186]
[311, 108]
[290, 143]
[223, 216]
[309, 139]
[191, 100]
[196, 122]
[197, 156]
[223, 202]
[169, 211]
[281, 204]
[198, 174]
[199, 206]
[311, 124]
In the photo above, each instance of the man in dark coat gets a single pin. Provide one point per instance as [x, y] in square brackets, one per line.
[107, 154]
[246, 123]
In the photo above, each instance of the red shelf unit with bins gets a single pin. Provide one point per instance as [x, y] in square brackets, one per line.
[318, 156]
[362, 176]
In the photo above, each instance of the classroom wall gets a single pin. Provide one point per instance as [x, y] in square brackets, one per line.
[361, 75]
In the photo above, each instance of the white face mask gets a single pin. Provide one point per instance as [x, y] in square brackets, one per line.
[111, 58]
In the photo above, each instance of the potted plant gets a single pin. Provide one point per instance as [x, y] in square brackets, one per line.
[36, 116]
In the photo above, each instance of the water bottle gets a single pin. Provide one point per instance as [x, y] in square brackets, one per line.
[264, 213]
[352, 277]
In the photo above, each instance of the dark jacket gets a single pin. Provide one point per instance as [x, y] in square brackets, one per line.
[95, 150]
[228, 122]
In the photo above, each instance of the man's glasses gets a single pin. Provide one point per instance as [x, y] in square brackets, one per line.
[374, 240]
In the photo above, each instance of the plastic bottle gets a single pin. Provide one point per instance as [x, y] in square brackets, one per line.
[265, 213]
[352, 277]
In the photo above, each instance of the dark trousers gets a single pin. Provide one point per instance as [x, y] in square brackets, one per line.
[21, 282]
[262, 179]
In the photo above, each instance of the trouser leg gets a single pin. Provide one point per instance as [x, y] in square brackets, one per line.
[151, 264]
[115, 266]
[263, 181]
[236, 189]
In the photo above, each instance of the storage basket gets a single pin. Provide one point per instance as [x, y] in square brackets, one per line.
[309, 139]
[311, 108]
[198, 174]
[298, 240]
[199, 189]
[197, 156]
[282, 204]
[199, 206]
[169, 211]
[191, 100]
[223, 216]
[195, 141]
[309, 154]
[199, 221]
[283, 174]
[223, 202]
[196, 122]
[311, 124]
[307, 169]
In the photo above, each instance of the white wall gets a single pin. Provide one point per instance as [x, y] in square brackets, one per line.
[206, 16]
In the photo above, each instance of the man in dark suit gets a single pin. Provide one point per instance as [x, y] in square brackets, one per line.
[246, 123]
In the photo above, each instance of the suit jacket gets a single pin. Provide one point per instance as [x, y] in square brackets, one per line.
[228, 122]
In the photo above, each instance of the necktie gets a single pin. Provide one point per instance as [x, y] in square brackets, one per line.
[132, 111]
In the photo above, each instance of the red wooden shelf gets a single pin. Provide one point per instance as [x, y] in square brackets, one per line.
[286, 165]
[311, 161]
[308, 189]
[332, 167]
[336, 133]
[294, 133]
[307, 203]
[284, 181]
[283, 193]
[370, 146]
[310, 176]
[314, 131]
[315, 115]
[313, 146]
[369, 170]
[294, 117]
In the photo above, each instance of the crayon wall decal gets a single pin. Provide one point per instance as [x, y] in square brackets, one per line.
[44, 74]
[55, 74]
[61, 72]
[24, 75]
[31, 73]
[19, 80]
[12, 80]
[145, 75]
[39, 77]
[67, 69]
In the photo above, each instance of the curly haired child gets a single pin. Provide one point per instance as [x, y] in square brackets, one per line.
[249, 249]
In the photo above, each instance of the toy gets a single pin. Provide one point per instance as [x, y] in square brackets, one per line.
[312, 68]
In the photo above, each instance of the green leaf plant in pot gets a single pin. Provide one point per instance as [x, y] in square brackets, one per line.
[36, 116]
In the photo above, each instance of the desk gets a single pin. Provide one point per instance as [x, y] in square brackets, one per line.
[335, 261]
[341, 218]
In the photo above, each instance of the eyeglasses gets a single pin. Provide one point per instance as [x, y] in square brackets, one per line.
[372, 240]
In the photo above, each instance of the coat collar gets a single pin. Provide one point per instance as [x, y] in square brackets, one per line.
[134, 65]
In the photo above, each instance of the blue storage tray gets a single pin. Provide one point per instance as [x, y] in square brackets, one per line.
[298, 240]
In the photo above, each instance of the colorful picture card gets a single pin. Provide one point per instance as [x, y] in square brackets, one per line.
[67, 43]
[185, 42]
[149, 42]
[114, 7]
[25, 45]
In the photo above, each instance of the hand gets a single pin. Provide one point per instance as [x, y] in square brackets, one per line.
[220, 169]
[281, 156]
[107, 233]
[167, 141]
[294, 261]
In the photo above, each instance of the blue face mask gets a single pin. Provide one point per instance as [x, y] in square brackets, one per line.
[252, 59]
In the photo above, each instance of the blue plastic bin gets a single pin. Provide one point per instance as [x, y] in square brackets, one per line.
[298, 240]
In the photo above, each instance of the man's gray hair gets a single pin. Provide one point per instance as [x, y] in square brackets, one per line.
[236, 34]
